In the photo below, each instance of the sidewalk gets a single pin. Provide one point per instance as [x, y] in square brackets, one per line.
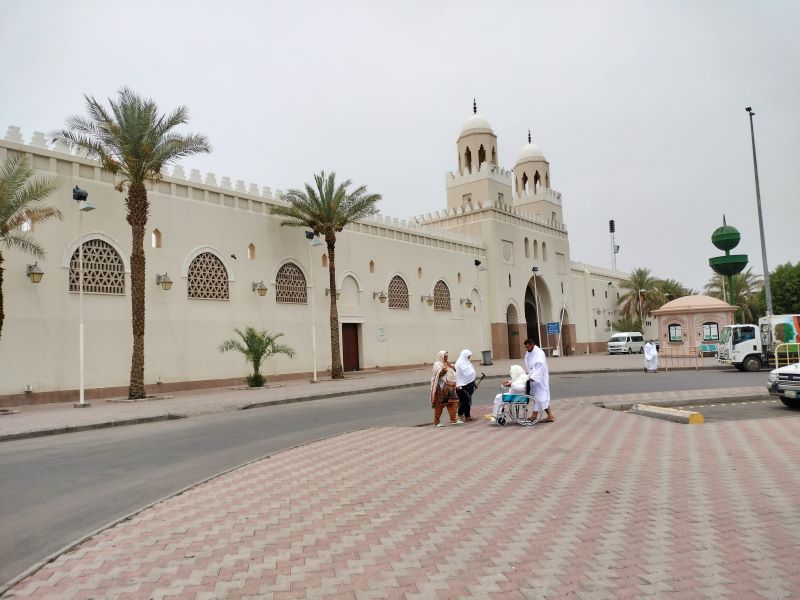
[598, 505]
[48, 419]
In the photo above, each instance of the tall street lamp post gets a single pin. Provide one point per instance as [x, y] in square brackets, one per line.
[80, 196]
[767, 290]
[312, 241]
[536, 305]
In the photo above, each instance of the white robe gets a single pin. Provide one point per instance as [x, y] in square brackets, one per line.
[539, 374]
[650, 357]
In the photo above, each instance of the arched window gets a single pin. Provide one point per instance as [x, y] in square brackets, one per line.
[524, 182]
[468, 160]
[290, 285]
[544, 251]
[372, 266]
[441, 296]
[527, 249]
[155, 239]
[675, 333]
[398, 293]
[481, 156]
[536, 182]
[547, 180]
[324, 261]
[251, 251]
[419, 272]
[509, 280]
[494, 156]
[103, 269]
[459, 278]
[536, 249]
[208, 278]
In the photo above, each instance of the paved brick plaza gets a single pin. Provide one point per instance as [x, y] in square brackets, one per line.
[600, 504]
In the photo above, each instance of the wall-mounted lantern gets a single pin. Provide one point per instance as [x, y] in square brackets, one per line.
[381, 296]
[35, 274]
[466, 302]
[164, 281]
[427, 299]
[258, 286]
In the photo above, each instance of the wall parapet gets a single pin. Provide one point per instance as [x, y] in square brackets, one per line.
[580, 267]
[490, 205]
[225, 195]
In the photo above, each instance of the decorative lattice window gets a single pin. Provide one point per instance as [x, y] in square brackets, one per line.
[398, 293]
[441, 296]
[290, 285]
[103, 269]
[208, 278]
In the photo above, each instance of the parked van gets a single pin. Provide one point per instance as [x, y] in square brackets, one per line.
[626, 342]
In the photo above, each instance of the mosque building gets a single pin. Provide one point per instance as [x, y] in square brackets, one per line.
[488, 270]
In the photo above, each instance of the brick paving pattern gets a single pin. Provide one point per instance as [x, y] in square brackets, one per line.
[600, 504]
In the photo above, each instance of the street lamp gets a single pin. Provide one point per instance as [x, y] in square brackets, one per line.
[80, 196]
[313, 240]
[767, 289]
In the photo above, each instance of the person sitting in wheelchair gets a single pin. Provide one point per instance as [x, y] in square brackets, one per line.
[515, 384]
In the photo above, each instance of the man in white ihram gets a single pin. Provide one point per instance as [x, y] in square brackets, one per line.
[650, 357]
[538, 380]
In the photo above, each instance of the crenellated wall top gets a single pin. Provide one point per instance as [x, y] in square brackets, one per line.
[580, 267]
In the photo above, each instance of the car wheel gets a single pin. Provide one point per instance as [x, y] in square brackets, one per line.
[790, 402]
[751, 364]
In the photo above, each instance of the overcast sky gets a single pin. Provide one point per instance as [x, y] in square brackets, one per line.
[638, 106]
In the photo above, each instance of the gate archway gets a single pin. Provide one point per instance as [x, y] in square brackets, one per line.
[512, 320]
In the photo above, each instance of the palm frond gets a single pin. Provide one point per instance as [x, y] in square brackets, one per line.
[23, 241]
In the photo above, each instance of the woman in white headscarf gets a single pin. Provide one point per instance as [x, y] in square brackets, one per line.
[516, 383]
[443, 390]
[465, 385]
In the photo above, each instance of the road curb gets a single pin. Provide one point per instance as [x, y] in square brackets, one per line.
[626, 406]
[88, 427]
[676, 415]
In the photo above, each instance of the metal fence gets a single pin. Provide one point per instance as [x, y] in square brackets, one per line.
[681, 357]
[786, 354]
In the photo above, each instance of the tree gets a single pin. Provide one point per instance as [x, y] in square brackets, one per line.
[326, 209]
[671, 289]
[256, 346]
[20, 210]
[784, 284]
[134, 142]
[627, 324]
[643, 295]
[746, 288]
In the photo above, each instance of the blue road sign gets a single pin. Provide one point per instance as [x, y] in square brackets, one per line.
[553, 328]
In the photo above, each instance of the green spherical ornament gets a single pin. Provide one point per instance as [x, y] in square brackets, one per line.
[726, 237]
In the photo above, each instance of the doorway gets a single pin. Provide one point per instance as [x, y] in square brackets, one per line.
[350, 346]
[513, 332]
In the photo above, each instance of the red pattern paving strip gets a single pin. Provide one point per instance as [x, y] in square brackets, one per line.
[600, 504]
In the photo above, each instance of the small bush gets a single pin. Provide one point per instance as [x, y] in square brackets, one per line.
[255, 380]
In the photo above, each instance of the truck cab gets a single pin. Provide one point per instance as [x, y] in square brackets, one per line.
[741, 346]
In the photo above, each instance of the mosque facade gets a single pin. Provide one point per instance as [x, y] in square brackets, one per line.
[489, 269]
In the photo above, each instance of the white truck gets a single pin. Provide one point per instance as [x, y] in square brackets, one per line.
[749, 347]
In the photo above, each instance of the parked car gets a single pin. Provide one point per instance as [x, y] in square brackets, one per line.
[626, 342]
[785, 383]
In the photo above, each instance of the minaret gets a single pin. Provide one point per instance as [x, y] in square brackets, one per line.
[532, 184]
[478, 177]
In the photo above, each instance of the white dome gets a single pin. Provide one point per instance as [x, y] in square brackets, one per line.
[475, 122]
[530, 152]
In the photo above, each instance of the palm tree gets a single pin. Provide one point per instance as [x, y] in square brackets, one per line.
[643, 295]
[671, 289]
[746, 289]
[256, 346]
[326, 209]
[19, 206]
[134, 142]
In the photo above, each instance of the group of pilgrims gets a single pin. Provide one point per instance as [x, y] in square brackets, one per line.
[452, 386]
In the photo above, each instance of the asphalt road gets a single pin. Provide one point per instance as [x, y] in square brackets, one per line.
[54, 490]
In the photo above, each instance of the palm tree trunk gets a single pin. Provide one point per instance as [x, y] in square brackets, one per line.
[2, 314]
[138, 209]
[336, 358]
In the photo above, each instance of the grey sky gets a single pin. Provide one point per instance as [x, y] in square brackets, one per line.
[638, 106]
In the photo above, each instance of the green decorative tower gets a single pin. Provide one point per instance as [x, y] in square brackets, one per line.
[727, 238]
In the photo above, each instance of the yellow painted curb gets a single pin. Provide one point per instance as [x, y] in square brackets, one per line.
[675, 415]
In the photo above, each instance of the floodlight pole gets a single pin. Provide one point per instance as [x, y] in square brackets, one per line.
[767, 289]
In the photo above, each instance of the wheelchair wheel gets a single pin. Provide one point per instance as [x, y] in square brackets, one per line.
[501, 420]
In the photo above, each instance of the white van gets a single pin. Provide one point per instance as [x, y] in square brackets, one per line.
[626, 342]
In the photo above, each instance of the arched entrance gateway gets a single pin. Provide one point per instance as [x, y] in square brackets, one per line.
[567, 334]
[514, 343]
[537, 310]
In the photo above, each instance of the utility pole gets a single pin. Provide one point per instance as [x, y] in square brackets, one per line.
[767, 290]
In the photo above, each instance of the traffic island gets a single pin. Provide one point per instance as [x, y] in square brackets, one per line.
[676, 415]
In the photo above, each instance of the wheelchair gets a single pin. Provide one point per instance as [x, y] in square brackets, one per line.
[515, 408]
